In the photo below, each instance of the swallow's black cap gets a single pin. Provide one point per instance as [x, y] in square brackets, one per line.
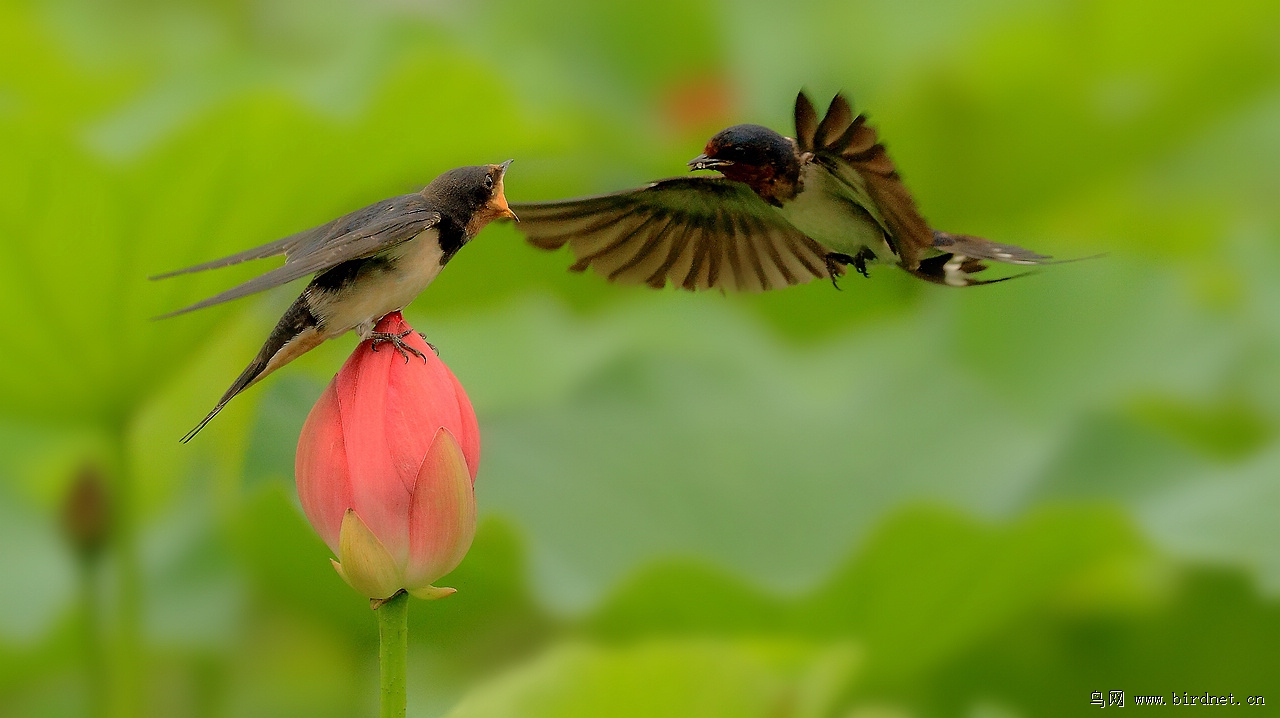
[751, 145]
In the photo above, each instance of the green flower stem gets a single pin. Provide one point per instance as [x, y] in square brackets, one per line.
[126, 654]
[91, 623]
[393, 649]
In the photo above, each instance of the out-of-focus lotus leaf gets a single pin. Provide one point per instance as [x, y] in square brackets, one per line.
[923, 587]
[1211, 629]
[670, 678]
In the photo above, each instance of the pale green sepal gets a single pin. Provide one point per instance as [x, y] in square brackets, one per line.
[365, 564]
[431, 593]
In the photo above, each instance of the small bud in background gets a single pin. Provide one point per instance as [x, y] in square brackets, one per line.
[386, 466]
[86, 512]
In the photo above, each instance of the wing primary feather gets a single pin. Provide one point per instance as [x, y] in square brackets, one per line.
[717, 242]
[753, 255]
[645, 249]
[856, 140]
[357, 243]
[695, 263]
[560, 210]
[699, 257]
[260, 283]
[776, 256]
[834, 123]
[681, 271]
[806, 122]
[291, 244]
[557, 234]
[679, 242]
[733, 253]
[271, 249]
[799, 252]
[588, 259]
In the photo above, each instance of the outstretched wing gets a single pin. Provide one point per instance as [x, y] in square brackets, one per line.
[696, 232]
[359, 234]
[849, 148]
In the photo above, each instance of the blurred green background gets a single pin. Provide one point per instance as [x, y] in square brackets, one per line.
[894, 500]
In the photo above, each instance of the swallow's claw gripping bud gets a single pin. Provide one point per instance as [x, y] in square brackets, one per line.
[434, 348]
[397, 341]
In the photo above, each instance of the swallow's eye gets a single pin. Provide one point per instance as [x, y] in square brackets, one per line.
[488, 181]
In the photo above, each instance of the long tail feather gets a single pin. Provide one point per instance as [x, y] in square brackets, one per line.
[964, 255]
[294, 335]
[979, 248]
[955, 270]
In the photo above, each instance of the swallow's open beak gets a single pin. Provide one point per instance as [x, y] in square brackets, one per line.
[499, 204]
[499, 201]
[703, 162]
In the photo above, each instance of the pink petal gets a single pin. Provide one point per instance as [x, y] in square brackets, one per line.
[380, 495]
[468, 431]
[320, 469]
[425, 394]
[424, 402]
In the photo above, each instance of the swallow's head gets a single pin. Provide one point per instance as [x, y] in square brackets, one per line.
[473, 195]
[756, 155]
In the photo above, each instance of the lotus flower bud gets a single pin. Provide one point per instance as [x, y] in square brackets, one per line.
[386, 466]
[86, 512]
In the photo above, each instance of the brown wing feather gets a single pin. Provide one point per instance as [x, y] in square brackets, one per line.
[857, 139]
[806, 122]
[834, 123]
[912, 233]
[843, 138]
[693, 232]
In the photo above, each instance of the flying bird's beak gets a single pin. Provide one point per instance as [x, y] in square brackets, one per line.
[703, 162]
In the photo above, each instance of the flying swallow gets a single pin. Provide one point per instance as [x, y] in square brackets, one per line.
[367, 264]
[783, 211]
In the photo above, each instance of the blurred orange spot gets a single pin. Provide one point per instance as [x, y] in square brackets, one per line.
[695, 103]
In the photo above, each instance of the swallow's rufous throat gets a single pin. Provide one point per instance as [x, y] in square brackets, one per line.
[367, 264]
[784, 211]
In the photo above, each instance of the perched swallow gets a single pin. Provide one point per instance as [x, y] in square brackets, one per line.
[784, 211]
[367, 264]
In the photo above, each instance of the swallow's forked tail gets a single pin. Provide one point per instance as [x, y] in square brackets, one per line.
[294, 335]
[963, 255]
[241, 383]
